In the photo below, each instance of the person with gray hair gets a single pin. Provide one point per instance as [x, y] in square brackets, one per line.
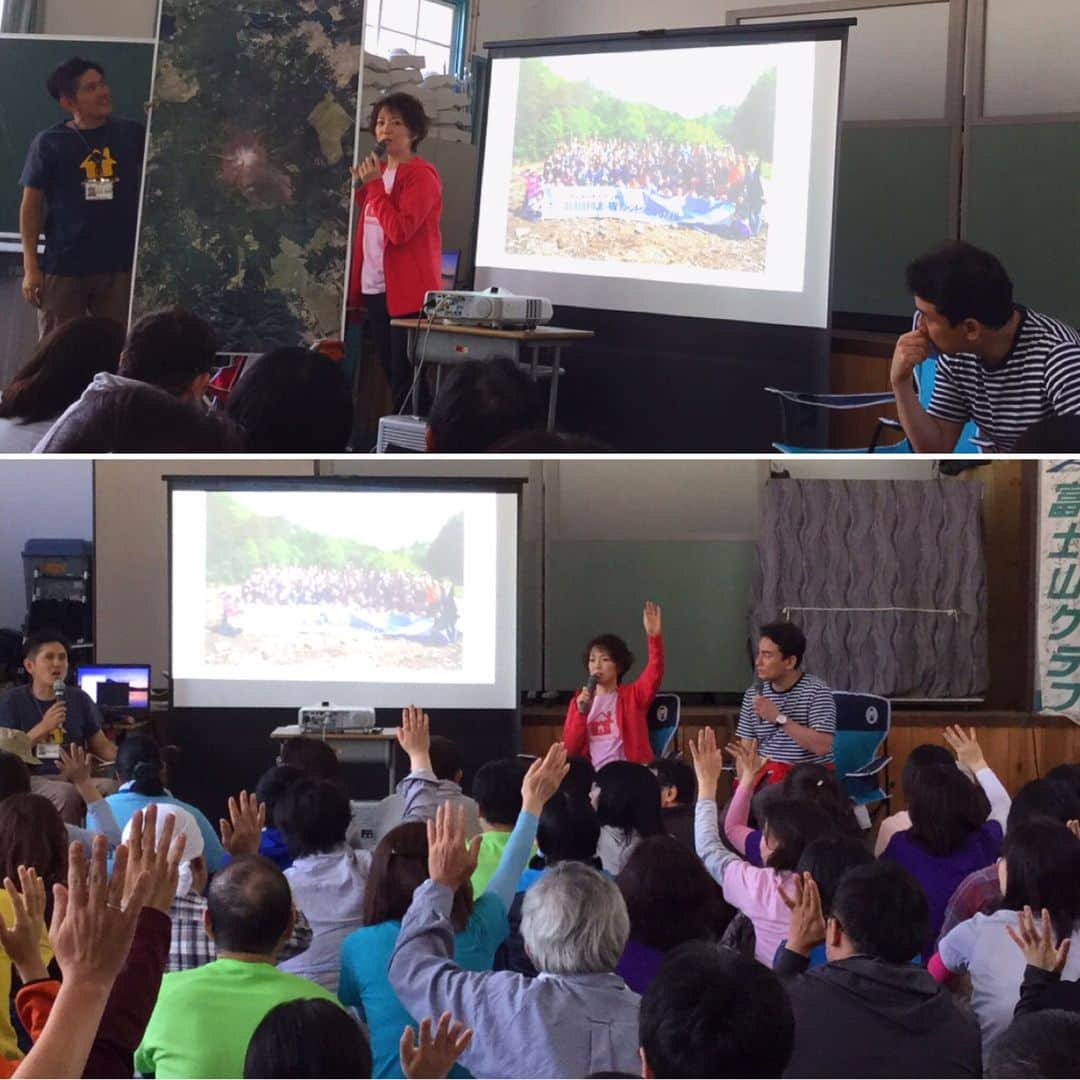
[576, 1019]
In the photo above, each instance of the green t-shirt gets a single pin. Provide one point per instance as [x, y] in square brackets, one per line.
[492, 846]
[204, 1018]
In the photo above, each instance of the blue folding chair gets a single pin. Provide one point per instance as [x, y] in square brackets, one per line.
[925, 373]
[663, 721]
[862, 726]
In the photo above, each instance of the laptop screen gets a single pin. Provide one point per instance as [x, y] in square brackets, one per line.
[116, 687]
[450, 260]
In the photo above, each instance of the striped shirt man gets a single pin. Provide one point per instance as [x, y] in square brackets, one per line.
[1040, 377]
[808, 701]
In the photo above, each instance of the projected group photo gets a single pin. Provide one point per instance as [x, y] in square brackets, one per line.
[297, 594]
[610, 166]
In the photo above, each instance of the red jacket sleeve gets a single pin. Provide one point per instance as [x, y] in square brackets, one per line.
[419, 195]
[645, 686]
[132, 1000]
[33, 1003]
[574, 737]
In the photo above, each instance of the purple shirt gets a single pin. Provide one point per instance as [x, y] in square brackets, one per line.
[939, 875]
[638, 965]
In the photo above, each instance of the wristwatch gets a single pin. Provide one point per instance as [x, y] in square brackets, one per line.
[781, 719]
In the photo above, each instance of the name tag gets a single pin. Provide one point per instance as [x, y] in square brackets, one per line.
[47, 751]
[98, 190]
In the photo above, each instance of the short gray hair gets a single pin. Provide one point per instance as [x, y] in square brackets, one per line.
[574, 921]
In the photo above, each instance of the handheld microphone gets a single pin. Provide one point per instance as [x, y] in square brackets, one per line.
[59, 691]
[380, 149]
[591, 687]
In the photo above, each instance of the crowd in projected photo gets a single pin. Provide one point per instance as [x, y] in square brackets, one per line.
[599, 177]
[299, 597]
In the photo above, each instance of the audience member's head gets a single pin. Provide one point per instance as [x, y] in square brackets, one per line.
[540, 441]
[14, 775]
[481, 402]
[308, 1038]
[574, 921]
[1052, 434]
[614, 649]
[963, 282]
[629, 799]
[138, 761]
[249, 907]
[272, 786]
[878, 910]
[193, 874]
[173, 350]
[789, 826]
[579, 779]
[446, 760]
[1042, 869]
[141, 419]
[828, 858]
[1043, 1045]
[292, 401]
[399, 865]
[670, 896]
[678, 784]
[313, 816]
[711, 1013]
[567, 829]
[65, 360]
[1068, 773]
[922, 757]
[1049, 797]
[945, 808]
[315, 758]
[32, 833]
[497, 791]
[817, 784]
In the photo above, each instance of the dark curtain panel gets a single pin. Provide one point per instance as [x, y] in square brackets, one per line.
[886, 578]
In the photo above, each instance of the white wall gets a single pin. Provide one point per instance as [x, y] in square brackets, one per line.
[101, 18]
[38, 498]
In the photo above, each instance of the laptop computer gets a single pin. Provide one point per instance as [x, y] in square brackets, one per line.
[116, 687]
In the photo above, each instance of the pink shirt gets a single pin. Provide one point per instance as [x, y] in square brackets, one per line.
[605, 742]
[372, 276]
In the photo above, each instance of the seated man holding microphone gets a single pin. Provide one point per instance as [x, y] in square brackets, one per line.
[53, 714]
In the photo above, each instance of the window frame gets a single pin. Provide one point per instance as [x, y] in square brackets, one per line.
[458, 32]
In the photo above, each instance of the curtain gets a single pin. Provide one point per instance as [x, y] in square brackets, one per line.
[886, 578]
[19, 16]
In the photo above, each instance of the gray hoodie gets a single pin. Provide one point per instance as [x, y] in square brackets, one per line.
[865, 1017]
[102, 383]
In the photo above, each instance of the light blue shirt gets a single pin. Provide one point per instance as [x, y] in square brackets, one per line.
[125, 803]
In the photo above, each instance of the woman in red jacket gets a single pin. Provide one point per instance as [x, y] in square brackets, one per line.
[609, 721]
[397, 252]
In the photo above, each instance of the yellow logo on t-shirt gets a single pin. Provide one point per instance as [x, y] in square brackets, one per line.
[99, 165]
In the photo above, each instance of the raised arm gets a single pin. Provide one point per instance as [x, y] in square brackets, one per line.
[648, 682]
[748, 764]
[708, 764]
[969, 754]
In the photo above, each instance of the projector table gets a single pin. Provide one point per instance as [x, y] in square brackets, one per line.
[447, 344]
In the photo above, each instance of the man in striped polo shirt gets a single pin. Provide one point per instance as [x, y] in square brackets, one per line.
[790, 713]
[1002, 365]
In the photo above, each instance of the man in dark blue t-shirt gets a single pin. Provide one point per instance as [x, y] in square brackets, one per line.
[52, 720]
[81, 187]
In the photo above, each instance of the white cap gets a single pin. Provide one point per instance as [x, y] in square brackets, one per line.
[185, 823]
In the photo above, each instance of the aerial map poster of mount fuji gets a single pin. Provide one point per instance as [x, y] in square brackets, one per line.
[245, 215]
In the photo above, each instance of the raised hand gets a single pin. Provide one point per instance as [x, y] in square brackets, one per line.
[748, 762]
[22, 940]
[708, 762]
[414, 737]
[966, 747]
[806, 923]
[91, 929]
[432, 1056]
[1037, 943]
[651, 618]
[240, 834]
[156, 854]
[543, 779]
[450, 861]
[74, 765]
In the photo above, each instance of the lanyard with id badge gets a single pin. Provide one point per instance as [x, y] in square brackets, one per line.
[100, 184]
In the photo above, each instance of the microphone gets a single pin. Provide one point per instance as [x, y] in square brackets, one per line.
[59, 691]
[591, 687]
[380, 149]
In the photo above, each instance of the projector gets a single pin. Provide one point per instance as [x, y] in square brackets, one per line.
[491, 308]
[319, 719]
